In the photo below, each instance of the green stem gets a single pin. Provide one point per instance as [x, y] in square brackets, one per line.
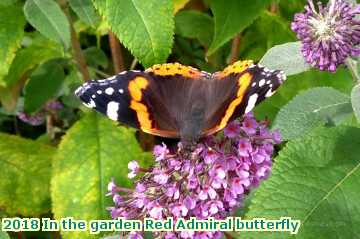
[352, 65]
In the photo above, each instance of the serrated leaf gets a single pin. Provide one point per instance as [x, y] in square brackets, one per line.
[44, 83]
[85, 11]
[286, 57]
[146, 28]
[93, 151]
[311, 109]
[315, 180]
[232, 18]
[48, 18]
[179, 4]
[96, 57]
[194, 24]
[12, 23]
[100, 6]
[355, 101]
[341, 80]
[28, 58]
[25, 168]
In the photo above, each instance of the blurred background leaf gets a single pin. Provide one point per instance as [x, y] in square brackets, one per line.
[179, 4]
[195, 25]
[232, 18]
[12, 23]
[25, 169]
[86, 11]
[49, 77]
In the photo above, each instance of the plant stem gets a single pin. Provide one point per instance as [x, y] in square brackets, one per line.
[116, 53]
[235, 46]
[101, 73]
[352, 65]
[227, 235]
[78, 54]
[274, 7]
[133, 64]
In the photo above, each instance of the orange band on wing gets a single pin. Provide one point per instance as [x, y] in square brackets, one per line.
[171, 69]
[142, 114]
[243, 83]
[236, 67]
[135, 87]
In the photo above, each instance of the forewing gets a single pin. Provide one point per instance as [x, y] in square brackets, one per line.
[237, 90]
[124, 98]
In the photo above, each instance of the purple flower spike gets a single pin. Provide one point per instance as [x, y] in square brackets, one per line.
[211, 181]
[329, 34]
[34, 119]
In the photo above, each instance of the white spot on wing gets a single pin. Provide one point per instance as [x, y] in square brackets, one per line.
[262, 82]
[251, 103]
[121, 91]
[99, 92]
[109, 90]
[112, 110]
[269, 93]
[91, 104]
[253, 84]
[93, 96]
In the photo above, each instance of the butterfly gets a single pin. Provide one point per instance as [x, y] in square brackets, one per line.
[177, 101]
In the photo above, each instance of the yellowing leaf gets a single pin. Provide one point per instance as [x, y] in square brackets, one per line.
[179, 4]
[25, 169]
[93, 151]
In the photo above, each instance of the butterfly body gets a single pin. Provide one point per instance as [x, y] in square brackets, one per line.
[176, 101]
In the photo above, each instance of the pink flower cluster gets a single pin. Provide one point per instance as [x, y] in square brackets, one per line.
[211, 181]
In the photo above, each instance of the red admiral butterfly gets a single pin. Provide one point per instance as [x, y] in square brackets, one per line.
[177, 101]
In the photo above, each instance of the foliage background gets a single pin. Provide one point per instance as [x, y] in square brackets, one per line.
[61, 167]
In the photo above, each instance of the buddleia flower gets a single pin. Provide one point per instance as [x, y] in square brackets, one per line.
[210, 182]
[329, 33]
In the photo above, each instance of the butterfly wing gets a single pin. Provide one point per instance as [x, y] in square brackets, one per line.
[155, 101]
[236, 91]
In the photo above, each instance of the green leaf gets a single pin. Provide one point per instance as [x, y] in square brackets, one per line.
[341, 80]
[12, 24]
[355, 100]
[86, 11]
[256, 40]
[315, 180]
[44, 84]
[195, 24]
[286, 57]
[311, 109]
[96, 57]
[93, 151]
[3, 235]
[232, 18]
[8, 2]
[100, 6]
[25, 168]
[28, 58]
[146, 28]
[48, 18]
